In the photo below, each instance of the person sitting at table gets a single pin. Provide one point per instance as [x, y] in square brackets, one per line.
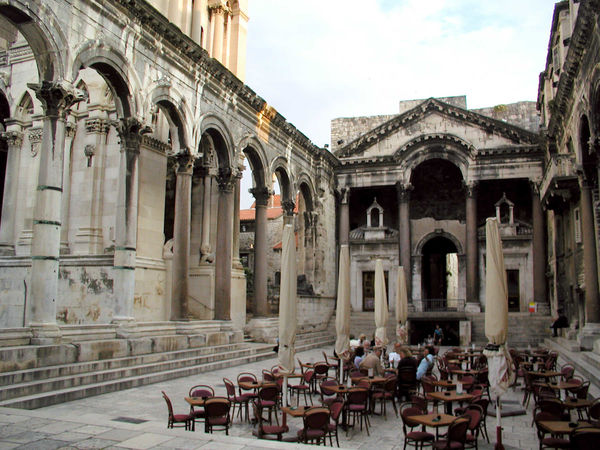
[366, 347]
[354, 342]
[406, 359]
[426, 362]
[394, 356]
[373, 361]
[359, 355]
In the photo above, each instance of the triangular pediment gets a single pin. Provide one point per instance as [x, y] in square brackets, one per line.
[431, 119]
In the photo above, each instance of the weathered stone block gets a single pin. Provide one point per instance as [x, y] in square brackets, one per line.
[169, 343]
[95, 350]
[140, 346]
[218, 338]
[236, 337]
[197, 340]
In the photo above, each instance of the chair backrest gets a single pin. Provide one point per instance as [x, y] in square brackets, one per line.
[355, 373]
[551, 405]
[585, 438]
[336, 409]
[317, 419]
[268, 393]
[216, 407]
[582, 391]
[457, 430]
[325, 385]
[420, 401]
[390, 384]
[475, 416]
[169, 404]
[230, 388]
[201, 390]
[308, 375]
[407, 376]
[321, 368]
[246, 376]
[407, 410]
[267, 375]
[567, 371]
[594, 410]
[358, 396]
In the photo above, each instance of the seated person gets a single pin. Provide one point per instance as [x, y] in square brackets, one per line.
[394, 357]
[359, 356]
[426, 362]
[354, 342]
[373, 361]
[560, 322]
[406, 359]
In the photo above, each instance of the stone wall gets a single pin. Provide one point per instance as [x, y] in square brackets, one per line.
[521, 114]
[345, 129]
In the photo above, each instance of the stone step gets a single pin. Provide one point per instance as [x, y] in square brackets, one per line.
[86, 379]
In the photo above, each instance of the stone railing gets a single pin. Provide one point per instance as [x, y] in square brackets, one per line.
[439, 304]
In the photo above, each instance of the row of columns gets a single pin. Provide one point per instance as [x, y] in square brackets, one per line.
[471, 247]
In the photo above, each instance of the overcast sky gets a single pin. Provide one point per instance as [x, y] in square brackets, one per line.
[315, 60]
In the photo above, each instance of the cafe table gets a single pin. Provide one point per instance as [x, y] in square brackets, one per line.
[562, 385]
[248, 385]
[445, 384]
[370, 380]
[544, 373]
[433, 420]
[561, 427]
[196, 401]
[448, 397]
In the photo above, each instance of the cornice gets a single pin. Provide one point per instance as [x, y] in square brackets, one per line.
[429, 106]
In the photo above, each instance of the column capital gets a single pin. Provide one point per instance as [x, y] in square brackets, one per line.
[404, 190]
[226, 179]
[344, 194]
[184, 162]
[57, 96]
[97, 125]
[288, 206]
[13, 138]
[472, 187]
[218, 7]
[261, 195]
[130, 130]
[535, 186]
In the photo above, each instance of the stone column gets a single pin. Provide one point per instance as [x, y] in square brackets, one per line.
[205, 248]
[344, 216]
[261, 196]
[71, 128]
[288, 208]
[196, 33]
[237, 263]
[404, 235]
[472, 250]
[181, 232]
[591, 330]
[226, 181]
[14, 139]
[130, 132]
[56, 99]
[218, 19]
[539, 248]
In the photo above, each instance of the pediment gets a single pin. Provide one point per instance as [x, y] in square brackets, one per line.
[435, 121]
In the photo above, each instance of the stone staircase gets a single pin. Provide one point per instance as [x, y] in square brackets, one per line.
[50, 384]
[587, 364]
[523, 329]
[363, 322]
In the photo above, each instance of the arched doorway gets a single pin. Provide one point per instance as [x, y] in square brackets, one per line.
[439, 273]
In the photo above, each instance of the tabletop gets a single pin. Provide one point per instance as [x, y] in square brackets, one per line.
[195, 401]
[434, 420]
[449, 396]
[563, 385]
[572, 403]
[445, 383]
[295, 411]
[373, 380]
[562, 426]
[255, 384]
[544, 373]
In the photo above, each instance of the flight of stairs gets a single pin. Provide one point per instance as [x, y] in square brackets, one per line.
[52, 384]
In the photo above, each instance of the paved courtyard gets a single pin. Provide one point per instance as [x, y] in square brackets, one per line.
[105, 421]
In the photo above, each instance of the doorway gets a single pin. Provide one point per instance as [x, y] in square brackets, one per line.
[368, 289]
[440, 269]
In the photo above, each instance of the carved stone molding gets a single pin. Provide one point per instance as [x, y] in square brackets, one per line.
[226, 179]
[261, 195]
[131, 131]
[288, 206]
[35, 136]
[404, 190]
[96, 125]
[57, 96]
[185, 162]
[472, 187]
[13, 138]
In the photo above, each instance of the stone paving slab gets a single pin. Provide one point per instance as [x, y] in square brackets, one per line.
[93, 422]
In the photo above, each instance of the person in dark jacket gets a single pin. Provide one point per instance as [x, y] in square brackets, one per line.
[560, 322]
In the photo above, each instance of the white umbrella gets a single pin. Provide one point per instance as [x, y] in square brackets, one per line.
[287, 306]
[401, 302]
[342, 313]
[381, 309]
[496, 319]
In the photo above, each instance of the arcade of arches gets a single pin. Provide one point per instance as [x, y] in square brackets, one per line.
[120, 164]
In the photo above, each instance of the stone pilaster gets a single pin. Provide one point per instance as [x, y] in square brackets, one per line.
[237, 263]
[226, 180]
[404, 249]
[14, 140]
[472, 249]
[71, 127]
[539, 250]
[56, 99]
[591, 331]
[131, 131]
[261, 196]
[181, 231]
[205, 247]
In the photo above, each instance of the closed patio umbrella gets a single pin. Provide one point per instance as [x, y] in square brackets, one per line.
[342, 312]
[496, 319]
[287, 305]
[401, 303]
[381, 308]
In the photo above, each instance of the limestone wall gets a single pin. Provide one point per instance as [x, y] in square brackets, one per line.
[522, 114]
[345, 129]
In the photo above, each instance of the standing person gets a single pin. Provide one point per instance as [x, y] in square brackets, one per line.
[373, 361]
[438, 335]
[426, 362]
[560, 322]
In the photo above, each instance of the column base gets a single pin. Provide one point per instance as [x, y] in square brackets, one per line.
[45, 334]
[472, 307]
[588, 336]
[126, 327]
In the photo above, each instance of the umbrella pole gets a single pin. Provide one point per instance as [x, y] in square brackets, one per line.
[285, 390]
[498, 445]
[341, 363]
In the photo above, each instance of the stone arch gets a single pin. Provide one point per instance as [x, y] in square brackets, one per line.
[306, 188]
[255, 153]
[279, 167]
[215, 127]
[419, 247]
[177, 112]
[43, 33]
[24, 108]
[442, 146]
[116, 71]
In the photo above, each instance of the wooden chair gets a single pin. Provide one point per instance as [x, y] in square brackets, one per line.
[200, 391]
[456, 436]
[267, 399]
[585, 438]
[264, 429]
[185, 420]
[316, 426]
[384, 394]
[357, 404]
[413, 437]
[302, 386]
[217, 414]
[551, 441]
[240, 400]
[335, 409]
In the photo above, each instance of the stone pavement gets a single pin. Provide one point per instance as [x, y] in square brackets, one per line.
[108, 421]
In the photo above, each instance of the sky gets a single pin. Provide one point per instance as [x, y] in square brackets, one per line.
[314, 61]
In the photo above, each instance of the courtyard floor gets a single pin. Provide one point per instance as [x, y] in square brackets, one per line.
[104, 421]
